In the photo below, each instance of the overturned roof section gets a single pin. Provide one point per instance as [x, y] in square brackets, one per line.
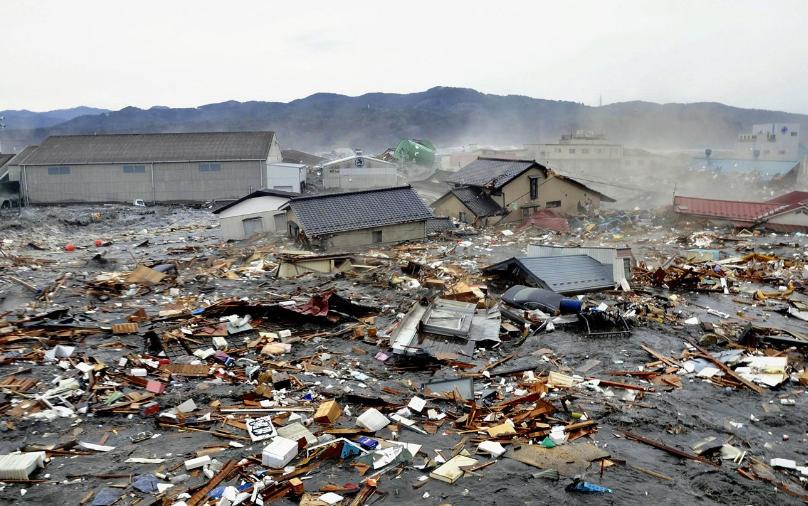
[147, 148]
[340, 212]
[565, 275]
[266, 192]
[732, 210]
[790, 198]
[478, 202]
[494, 172]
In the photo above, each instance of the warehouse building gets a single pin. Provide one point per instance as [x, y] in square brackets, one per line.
[169, 167]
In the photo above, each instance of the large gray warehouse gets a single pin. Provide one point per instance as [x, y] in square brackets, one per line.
[168, 167]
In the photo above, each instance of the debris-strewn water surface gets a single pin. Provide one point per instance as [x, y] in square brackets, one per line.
[146, 361]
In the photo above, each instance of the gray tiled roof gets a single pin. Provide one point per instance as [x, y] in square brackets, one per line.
[339, 212]
[4, 158]
[478, 202]
[565, 275]
[167, 147]
[438, 225]
[494, 171]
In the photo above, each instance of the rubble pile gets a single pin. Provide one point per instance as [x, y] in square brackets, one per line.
[154, 364]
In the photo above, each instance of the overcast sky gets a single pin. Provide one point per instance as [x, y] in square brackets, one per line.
[59, 53]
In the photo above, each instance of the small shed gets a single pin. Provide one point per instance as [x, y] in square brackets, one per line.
[256, 213]
[290, 177]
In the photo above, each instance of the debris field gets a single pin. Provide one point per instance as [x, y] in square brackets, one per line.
[145, 361]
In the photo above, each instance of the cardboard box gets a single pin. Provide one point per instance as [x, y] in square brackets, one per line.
[327, 412]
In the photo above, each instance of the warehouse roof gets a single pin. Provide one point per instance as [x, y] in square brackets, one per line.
[340, 212]
[147, 148]
[495, 172]
[565, 275]
[4, 158]
[22, 155]
[295, 156]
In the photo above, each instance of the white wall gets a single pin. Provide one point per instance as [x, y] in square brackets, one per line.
[281, 176]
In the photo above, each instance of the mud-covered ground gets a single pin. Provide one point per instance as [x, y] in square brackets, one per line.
[756, 423]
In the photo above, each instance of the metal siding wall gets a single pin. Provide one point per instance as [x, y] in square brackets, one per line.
[184, 181]
[87, 183]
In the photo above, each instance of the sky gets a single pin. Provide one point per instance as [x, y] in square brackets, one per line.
[178, 53]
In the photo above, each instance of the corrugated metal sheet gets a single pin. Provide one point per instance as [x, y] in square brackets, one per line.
[732, 210]
[564, 275]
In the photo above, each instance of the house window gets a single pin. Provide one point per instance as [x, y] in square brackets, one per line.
[782, 151]
[377, 236]
[134, 169]
[600, 150]
[59, 170]
[525, 213]
[462, 217]
[627, 267]
[572, 151]
[553, 203]
[210, 167]
[534, 188]
[585, 150]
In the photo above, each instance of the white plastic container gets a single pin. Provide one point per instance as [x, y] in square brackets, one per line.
[279, 452]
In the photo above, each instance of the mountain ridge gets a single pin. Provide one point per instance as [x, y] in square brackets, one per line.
[447, 116]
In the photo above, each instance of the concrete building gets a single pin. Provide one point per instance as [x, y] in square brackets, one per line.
[342, 221]
[771, 150]
[290, 177]
[770, 141]
[358, 172]
[153, 167]
[492, 190]
[257, 213]
[584, 152]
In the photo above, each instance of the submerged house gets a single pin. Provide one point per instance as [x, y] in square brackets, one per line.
[621, 259]
[786, 213]
[567, 275]
[352, 219]
[493, 190]
[165, 167]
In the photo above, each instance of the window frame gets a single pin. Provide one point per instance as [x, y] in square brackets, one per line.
[59, 170]
[533, 181]
[552, 204]
[130, 168]
[373, 236]
[210, 167]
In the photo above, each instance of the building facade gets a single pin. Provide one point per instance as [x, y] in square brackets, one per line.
[359, 172]
[260, 212]
[192, 167]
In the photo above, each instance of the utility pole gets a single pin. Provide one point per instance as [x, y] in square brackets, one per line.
[2, 126]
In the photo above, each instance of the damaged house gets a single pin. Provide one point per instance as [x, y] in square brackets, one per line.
[257, 213]
[786, 213]
[567, 275]
[360, 218]
[492, 190]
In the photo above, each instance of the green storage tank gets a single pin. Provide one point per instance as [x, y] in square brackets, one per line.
[419, 152]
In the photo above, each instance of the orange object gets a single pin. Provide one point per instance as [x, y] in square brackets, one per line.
[70, 247]
[99, 243]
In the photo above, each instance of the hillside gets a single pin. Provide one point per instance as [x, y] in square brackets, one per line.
[447, 116]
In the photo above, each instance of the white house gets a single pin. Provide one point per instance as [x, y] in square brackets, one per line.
[290, 177]
[256, 213]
